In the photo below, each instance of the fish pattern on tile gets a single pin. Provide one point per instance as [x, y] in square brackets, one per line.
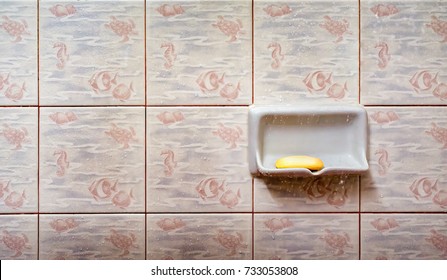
[199, 52]
[407, 160]
[18, 46]
[92, 237]
[403, 60]
[102, 63]
[18, 160]
[92, 160]
[18, 237]
[329, 193]
[199, 237]
[197, 160]
[306, 52]
[298, 236]
[403, 236]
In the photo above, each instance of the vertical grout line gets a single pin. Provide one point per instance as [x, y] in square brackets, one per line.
[145, 133]
[252, 52]
[38, 126]
[252, 218]
[360, 216]
[359, 53]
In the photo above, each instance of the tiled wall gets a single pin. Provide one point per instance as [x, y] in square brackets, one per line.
[123, 128]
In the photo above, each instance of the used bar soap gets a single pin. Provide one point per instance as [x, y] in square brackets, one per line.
[311, 163]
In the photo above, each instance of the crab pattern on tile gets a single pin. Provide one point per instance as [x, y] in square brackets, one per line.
[199, 237]
[92, 160]
[100, 64]
[18, 237]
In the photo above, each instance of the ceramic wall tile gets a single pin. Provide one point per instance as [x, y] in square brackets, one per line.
[197, 160]
[199, 52]
[310, 236]
[18, 237]
[320, 194]
[199, 237]
[18, 49]
[403, 236]
[91, 52]
[403, 47]
[18, 160]
[407, 158]
[306, 51]
[92, 160]
[93, 237]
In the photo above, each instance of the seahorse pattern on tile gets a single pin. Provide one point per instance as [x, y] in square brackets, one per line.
[18, 235]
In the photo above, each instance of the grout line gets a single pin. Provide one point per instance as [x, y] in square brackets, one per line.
[38, 127]
[253, 218]
[252, 52]
[145, 131]
[360, 56]
[360, 214]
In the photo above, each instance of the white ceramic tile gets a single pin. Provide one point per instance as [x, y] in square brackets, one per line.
[91, 52]
[306, 51]
[404, 237]
[407, 158]
[18, 235]
[92, 237]
[92, 159]
[199, 52]
[18, 160]
[199, 237]
[18, 48]
[197, 160]
[403, 52]
[310, 236]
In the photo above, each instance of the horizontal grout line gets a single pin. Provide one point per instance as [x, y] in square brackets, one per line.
[405, 105]
[119, 106]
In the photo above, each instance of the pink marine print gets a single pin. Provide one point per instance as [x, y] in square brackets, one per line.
[4, 80]
[4, 188]
[277, 55]
[337, 91]
[15, 200]
[168, 118]
[61, 118]
[123, 199]
[210, 188]
[14, 28]
[102, 81]
[277, 11]
[337, 28]
[63, 225]
[338, 196]
[167, 10]
[230, 241]
[336, 241]
[230, 28]
[169, 54]
[230, 135]
[122, 28]
[384, 10]
[384, 225]
[383, 161]
[382, 117]
[423, 187]
[124, 242]
[121, 135]
[384, 55]
[317, 80]
[16, 243]
[15, 92]
[169, 162]
[60, 10]
[441, 91]
[62, 162]
[230, 91]
[122, 92]
[317, 188]
[423, 80]
[440, 198]
[103, 188]
[170, 224]
[230, 198]
[438, 240]
[14, 136]
[62, 55]
[439, 134]
[278, 224]
[439, 27]
[209, 81]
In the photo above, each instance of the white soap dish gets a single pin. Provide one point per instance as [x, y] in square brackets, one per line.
[336, 134]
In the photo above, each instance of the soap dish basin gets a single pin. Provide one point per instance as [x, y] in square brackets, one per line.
[337, 134]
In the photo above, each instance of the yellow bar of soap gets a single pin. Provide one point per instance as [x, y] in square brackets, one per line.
[308, 162]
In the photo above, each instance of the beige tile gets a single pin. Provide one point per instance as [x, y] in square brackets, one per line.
[18, 237]
[199, 237]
